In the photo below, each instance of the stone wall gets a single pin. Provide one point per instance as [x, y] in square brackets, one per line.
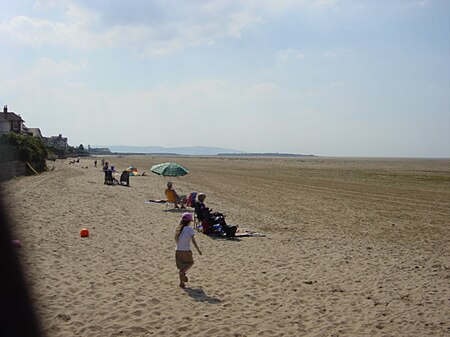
[8, 153]
[12, 168]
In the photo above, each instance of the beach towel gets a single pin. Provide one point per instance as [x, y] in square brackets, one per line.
[246, 232]
[152, 201]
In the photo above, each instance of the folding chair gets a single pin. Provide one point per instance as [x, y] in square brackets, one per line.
[198, 224]
[170, 197]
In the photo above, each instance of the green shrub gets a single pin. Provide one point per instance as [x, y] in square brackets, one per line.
[29, 149]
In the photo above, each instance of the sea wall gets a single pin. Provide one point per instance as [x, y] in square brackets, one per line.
[12, 168]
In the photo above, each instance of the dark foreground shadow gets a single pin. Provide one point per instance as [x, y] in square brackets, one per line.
[17, 315]
[199, 295]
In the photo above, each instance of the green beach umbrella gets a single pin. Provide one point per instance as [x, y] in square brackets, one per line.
[169, 170]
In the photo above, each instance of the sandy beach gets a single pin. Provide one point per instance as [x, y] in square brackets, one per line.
[353, 247]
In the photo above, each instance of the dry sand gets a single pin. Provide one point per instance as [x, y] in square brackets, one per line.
[354, 247]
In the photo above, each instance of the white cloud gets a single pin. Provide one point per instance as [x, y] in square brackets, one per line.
[336, 52]
[161, 28]
[25, 31]
[216, 104]
[330, 53]
[287, 55]
[46, 67]
[239, 21]
[34, 79]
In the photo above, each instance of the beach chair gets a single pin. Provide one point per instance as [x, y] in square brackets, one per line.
[215, 226]
[170, 198]
[198, 224]
[202, 225]
[190, 202]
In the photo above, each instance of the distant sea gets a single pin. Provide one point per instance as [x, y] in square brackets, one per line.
[193, 151]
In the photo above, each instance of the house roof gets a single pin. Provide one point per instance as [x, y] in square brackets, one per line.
[60, 137]
[11, 116]
[35, 132]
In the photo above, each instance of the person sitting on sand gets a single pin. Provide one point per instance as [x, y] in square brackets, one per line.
[125, 178]
[109, 179]
[172, 196]
[183, 254]
[209, 219]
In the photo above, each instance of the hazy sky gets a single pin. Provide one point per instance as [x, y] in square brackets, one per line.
[324, 77]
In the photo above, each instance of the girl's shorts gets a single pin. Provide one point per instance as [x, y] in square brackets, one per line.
[183, 258]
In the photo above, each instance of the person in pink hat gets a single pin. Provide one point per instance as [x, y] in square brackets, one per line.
[184, 234]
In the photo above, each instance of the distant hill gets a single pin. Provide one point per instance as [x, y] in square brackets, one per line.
[193, 151]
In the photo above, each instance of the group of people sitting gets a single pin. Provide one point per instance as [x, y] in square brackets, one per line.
[212, 222]
[111, 180]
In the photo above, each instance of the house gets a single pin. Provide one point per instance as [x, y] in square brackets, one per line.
[58, 142]
[35, 132]
[14, 122]
[4, 125]
[11, 122]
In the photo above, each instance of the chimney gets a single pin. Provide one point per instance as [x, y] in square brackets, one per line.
[5, 110]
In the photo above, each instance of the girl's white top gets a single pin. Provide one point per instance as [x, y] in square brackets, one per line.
[184, 240]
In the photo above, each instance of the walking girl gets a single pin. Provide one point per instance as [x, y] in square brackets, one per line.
[184, 234]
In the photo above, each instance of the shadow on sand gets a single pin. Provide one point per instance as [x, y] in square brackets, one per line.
[199, 295]
[175, 210]
[223, 237]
